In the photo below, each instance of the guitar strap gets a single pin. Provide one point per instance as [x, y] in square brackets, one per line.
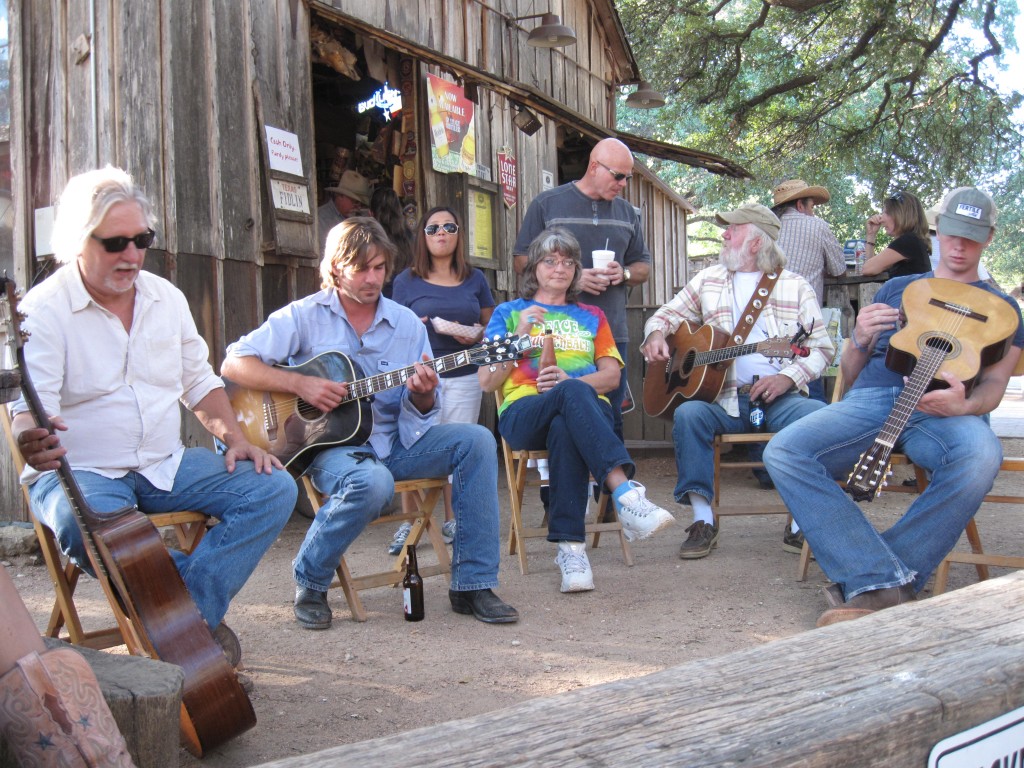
[752, 311]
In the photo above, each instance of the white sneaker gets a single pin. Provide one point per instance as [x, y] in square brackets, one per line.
[448, 531]
[576, 573]
[399, 541]
[639, 516]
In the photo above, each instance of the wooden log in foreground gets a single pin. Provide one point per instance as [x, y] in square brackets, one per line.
[881, 690]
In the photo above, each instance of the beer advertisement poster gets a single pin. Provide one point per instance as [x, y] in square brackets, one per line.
[452, 132]
[508, 177]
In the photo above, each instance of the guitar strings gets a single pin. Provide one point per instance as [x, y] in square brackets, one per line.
[932, 358]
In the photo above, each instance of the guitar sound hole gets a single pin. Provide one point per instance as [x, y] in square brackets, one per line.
[941, 344]
[686, 366]
[307, 411]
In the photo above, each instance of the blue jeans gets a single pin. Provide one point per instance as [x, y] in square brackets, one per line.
[815, 391]
[695, 425]
[575, 426]
[962, 454]
[616, 396]
[360, 485]
[252, 509]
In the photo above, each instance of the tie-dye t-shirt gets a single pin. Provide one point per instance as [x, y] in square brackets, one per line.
[582, 336]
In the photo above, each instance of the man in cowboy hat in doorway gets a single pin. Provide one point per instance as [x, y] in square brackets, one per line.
[345, 198]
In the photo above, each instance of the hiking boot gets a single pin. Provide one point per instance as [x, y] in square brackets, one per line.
[702, 539]
[792, 542]
[448, 531]
[399, 541]
[576, 573]
[866, 603]
[639, 516]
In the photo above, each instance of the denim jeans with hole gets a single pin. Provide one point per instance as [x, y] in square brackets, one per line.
[961, 453]
[361, 485]
[252, 509]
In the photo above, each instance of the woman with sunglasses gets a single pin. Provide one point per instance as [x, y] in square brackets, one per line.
[909, 253]
[440, 283]
[561, 408]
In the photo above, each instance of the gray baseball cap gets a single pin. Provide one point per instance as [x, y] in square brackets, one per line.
[966, 212]
[753, 213]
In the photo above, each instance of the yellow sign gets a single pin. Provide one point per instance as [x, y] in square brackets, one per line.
[481, 212]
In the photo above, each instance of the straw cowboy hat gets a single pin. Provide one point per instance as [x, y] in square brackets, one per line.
[797, 189]
[354, 185]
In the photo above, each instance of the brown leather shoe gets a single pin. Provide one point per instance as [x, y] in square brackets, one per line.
[865, 603]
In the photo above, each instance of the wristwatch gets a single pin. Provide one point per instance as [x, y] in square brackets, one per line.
[625, 275]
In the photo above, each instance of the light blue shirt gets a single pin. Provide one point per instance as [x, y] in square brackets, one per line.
[318, 323]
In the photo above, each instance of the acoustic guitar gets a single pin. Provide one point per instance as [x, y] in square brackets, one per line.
[698, 363]
[952, 327]
[294, 431]
[139, 576]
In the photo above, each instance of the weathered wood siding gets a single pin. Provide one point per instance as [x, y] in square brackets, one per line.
[178, 92]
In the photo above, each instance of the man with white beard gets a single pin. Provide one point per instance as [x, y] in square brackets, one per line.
[749, 296]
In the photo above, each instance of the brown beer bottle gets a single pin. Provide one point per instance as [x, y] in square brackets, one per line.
[547, 351]
[412, 588]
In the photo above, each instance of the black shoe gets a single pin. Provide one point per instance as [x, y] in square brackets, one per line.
[228, 641]
[483, 604]
[764, 480]
[792, 542]
[311, 609]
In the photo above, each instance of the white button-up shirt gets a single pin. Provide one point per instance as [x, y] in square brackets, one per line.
[117, 391]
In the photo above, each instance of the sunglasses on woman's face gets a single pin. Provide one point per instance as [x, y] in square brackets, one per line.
[118, 244]
[450, 227]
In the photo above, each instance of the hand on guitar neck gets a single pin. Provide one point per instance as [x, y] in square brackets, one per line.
[40, 448]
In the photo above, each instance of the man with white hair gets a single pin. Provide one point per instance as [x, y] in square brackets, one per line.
[750, 294]
[112, 351]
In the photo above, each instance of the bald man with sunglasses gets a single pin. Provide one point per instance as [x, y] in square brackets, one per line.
[593, 210]
[112, 352]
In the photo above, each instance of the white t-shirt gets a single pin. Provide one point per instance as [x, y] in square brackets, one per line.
[748, 366]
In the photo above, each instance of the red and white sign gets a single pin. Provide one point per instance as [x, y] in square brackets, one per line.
[508, 177]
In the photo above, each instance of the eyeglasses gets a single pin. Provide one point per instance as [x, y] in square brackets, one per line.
[450, 227]
[615, 174]
[897, 197]
[118, 244]
[550, 262]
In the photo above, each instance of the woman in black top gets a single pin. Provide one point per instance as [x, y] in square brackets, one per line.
[909, 253]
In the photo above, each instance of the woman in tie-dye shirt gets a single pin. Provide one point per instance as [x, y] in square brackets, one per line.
[562, 408]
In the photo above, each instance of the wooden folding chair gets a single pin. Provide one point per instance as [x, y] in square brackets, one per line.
[519, 477]
[426, 493]
[188, 528]
[977, 557]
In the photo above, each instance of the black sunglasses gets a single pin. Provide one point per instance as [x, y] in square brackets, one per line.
[450, 227]
[897, 197]
[118, 244]
[615, 174]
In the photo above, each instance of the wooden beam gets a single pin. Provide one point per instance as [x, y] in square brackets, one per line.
[882, 690]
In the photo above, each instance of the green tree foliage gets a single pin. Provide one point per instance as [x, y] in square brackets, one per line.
[862, 96]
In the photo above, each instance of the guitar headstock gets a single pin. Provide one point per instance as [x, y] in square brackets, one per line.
[10, 381]
[500, 349]
[777, 347]
[870, 475]
[12, 317]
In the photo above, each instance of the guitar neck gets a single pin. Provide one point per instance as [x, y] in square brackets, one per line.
[922, 375]
[715, 356]
[383, 381]
[87, 518]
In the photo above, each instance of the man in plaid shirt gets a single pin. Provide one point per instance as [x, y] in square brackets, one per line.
[719, 296]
